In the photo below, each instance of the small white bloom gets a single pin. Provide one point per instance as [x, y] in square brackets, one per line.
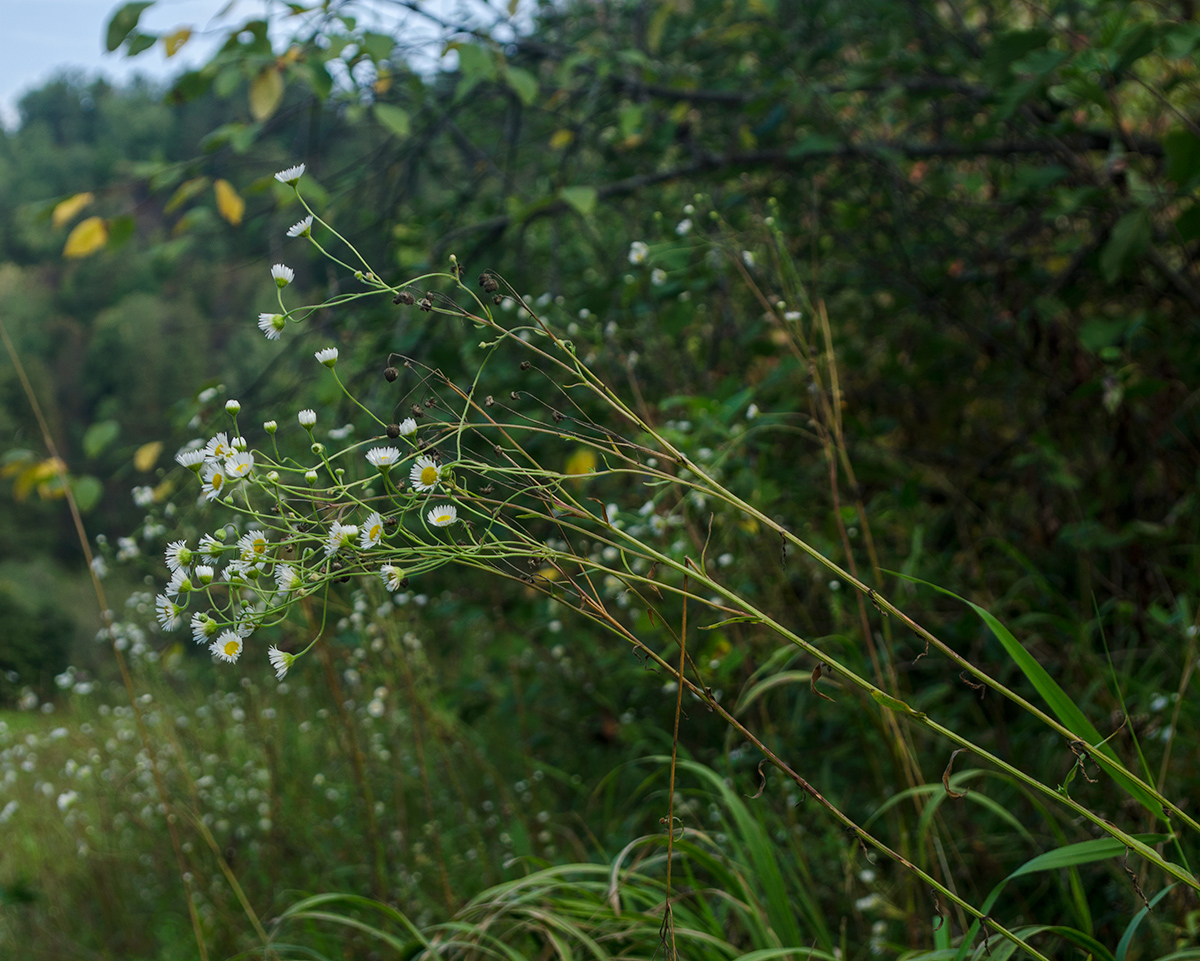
[168, 613]
[181, 582]
[684, 227]
[425, 474]
[218, 448]
[239, 466]
[204, 574]
[283, 275]
[327, 356]
[372, 531]
[383, 457]
[408, 427]
[233, 406]
[239, 444]
[638, 252]
[271, 325]
[340, 535]
[281, 661]
[302, 228]
[252, 547]
[748, 258]
[190, 458]
[227, 646]
[392, 577]
[658, 276]
[270, 426]
[752, 412]
[792, 315]
[210, 549]
[127, 549]
[291, 175]
[307, 418]
[443, 515]
[100, 566]
[214, 481]
[287, 580]
[178, 555]
[203, 627]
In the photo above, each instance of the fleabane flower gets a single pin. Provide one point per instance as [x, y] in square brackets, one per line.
[210, 549]
[638, 252]
[169, 614]
[283, 275]
[218, 448]
[307, 418]
[203, 627]
[214, 481]
[204, 574]
[281, 661]
[443, 515]
[192, 458]
[287, 580]
[340, 535]
[372, 531]
[252, 547]
[290, 175]
[178, 555]
[393, 577]
[302, 228]
[327, 356]
[425, 474]
[271, 325]
[408, 427]
[383, 457]
[181, 582]
[239, 465]
[227, 646]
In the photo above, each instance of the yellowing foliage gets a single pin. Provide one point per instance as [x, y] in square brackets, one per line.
[87, 237]
[266, 90]
[66, 210]
[146, 456]
[583, 461]
[176, 39]
[230, 205]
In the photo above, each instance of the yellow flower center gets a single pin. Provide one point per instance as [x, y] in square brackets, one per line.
[231, 648]
[374, 532]
[217, 481]
[429, 475]
[443, 518]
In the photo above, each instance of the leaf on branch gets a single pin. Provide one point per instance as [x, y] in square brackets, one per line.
[123, 23]
[1130, 237]
[65, 210]
[266, 91]
[146, 456]
[87, 237]
[583, 199]
[175, 40]
[393, 119]
[230, 205]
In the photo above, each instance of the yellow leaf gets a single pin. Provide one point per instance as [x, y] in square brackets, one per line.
[173, 41]
[87, 237]
[185, 192]
[229, 204]
[67, 209]
[583, 461]
[383, 82]
[561, 138]
[147, 455]
[266, 90]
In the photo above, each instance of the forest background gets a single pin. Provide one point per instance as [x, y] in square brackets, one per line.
[916, 280]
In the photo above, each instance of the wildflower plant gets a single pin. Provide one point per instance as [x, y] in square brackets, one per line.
[533, 468]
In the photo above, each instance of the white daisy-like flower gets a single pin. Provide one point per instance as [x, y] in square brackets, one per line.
[291, 175]
[283, 275]
[408, 427]
[204, 627]
[178, 555]
[180, 583]
[281, 661]
[190, 458]
[204, 574]
[287, 580]
[748, 258]
[658, 276]
[302, 228]
[227, 646]
[238, 572]
[239, 465]
[443, 515]
[383, 457]
[169, 613]
[638, 252]
[425, 474]
[327, 356]
[393, 577]
[684, 227]
[210, 549]
[218, 448]
[372, 531]
[214, 481]
[271, 325]
[252, 547]
[239, 444]
[307, 418]
[340, 535]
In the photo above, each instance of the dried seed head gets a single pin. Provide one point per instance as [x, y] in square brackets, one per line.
[558, 416]
[525, 365]
[390, 373]
[497, 300]
[418, 410]
[426, 304]
[490, 400]
[488, 283]
[405, 298]
[393, 431]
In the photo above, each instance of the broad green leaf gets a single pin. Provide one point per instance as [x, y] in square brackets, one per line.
[393, 119]
[87, 237]
[87, 491]
[65, 210]
[123, 23]
[583, 199]
[266, 91]
[120, 231]
[475, 62]
[1182, 149]
[1188, 223]
[523, 83]
[139, 43]
[98, 436]
[230, 205]
[1130, 237]
[377, 46]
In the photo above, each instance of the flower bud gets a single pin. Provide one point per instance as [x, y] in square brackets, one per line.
[390, 373]
[232, 406]
[270, 426]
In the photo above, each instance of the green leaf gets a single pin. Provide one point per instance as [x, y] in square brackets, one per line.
[123, 23]
[120, 230]
[475, 63]
[814, 144]
[1127, 937]
[393, 119]
[138, 43]
[98, 436]
[1129, 238]
[583, 199]
[377, 46]
[87, 491]
[1182, 149]
[1188, 223]
[523, 83]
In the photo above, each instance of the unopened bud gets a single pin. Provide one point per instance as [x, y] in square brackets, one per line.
[393, 431]
[390, 373]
